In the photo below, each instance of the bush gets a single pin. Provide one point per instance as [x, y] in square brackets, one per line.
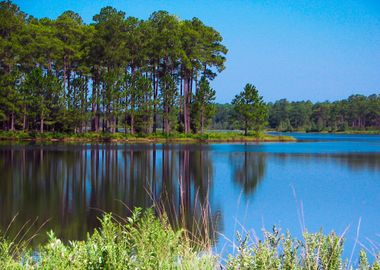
[140, 242]
[278, 251]
[144, 241]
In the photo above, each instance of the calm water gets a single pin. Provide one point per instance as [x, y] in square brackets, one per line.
[334, 179]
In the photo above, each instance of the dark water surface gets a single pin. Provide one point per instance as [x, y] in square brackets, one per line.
[333, 179]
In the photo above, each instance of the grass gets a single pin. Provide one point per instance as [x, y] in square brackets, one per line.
[210, 136]
[348, 131]
[144, 241]
[141, 241]
[315, 251]
[365, 132]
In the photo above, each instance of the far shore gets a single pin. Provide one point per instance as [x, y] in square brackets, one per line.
[348, 132]
[209, 137]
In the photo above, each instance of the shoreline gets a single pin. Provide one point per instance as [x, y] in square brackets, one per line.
[352, 132]
[122, 138]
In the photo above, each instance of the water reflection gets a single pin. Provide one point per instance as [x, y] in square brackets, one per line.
[198, 185]
[354, 161]
[248, 170]
[72, 184]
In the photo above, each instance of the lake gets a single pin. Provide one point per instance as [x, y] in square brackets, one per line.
[324, 181]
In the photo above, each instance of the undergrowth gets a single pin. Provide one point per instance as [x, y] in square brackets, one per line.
[143, 241]
[119, 136]
[316, 251]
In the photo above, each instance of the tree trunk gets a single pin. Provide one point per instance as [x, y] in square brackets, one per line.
[12, 127]
[188, 101]
[166, 120]
[186, 109]
[180, 94]
[50, 69]
[24, 122]
[185, 87]
[202, 121]
[97, 102]
[64, 75]
[42, 124]
[68, 87]
[132, 124]
[155, 95]
[104, 108]
[94, 126]
[132, 103]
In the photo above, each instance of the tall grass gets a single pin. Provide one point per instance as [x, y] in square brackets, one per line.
[145, 241]
[141, 241]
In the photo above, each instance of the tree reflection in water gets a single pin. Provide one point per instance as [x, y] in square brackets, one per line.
[248, 169]
[71, 185]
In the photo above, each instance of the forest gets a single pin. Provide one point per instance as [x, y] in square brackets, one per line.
[118, 73]
[357, 112]
[123, 74]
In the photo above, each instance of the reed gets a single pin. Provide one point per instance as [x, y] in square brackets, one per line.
[145, 240]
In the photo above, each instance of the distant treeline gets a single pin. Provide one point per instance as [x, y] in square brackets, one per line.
[116, 73]
[357, 112]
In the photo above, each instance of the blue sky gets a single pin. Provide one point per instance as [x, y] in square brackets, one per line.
[299, 50]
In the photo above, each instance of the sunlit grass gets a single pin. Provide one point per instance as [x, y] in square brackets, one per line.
[141, 241]
[145, 241]
[209, 136]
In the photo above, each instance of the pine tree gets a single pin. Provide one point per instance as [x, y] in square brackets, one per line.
[203, 107]
[251, 111]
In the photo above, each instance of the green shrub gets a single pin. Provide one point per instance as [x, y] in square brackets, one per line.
[277, 251]
[141, 242]
[144, 241]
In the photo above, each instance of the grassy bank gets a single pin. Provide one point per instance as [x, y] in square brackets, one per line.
[144, 138]
[364, 132]
[143, 241]
[350, 131]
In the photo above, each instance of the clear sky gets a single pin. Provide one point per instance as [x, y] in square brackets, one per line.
[316, 50]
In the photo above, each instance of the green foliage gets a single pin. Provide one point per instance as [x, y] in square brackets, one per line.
[10, 96]
[11, 26]
[44, 97]
[316, 251]
[263, 255]
[355, 113]
[169, 96]
[251, 111]
[143, 103]
[209, 136]
[224, 117]
[134, 67]
[363, 261]
[203, 107]
[142, 241]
